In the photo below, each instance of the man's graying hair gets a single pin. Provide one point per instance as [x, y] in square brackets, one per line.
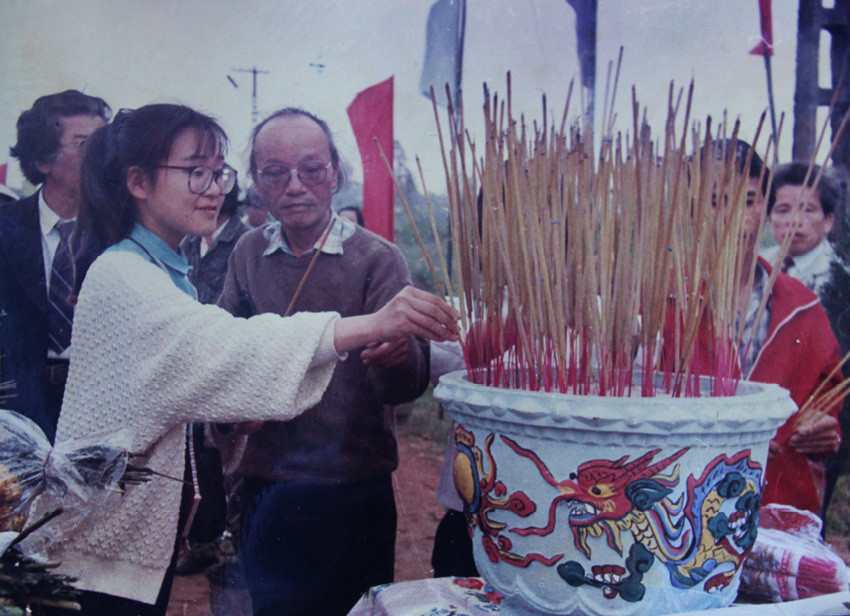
[294, 111]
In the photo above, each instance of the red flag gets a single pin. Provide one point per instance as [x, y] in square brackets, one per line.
[3, 168]
[371, 116]
[765, 46]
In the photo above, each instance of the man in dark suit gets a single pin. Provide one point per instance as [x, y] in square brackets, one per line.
[35, 265]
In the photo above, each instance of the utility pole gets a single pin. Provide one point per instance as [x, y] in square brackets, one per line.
[254, 72]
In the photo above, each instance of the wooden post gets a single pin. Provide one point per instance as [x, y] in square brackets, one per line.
[806, 89]
[808, 96]
[837, 22]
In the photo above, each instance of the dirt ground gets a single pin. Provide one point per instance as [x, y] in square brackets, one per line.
[418, 511]
[418, 515]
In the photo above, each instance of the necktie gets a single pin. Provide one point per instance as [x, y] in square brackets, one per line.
[60, 312]
[787, 263]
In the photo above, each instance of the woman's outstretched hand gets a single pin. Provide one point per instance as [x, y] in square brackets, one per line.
[412, 312]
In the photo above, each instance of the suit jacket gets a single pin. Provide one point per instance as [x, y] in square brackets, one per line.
[23, 317]
[23, 313]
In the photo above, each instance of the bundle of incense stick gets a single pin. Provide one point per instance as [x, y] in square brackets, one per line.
[575, 266]
[599, 272]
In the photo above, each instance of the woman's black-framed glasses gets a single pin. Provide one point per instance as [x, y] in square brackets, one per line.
[277, 177]
[201, 178]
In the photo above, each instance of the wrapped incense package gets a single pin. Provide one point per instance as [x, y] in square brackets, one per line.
[76, 476]
[790, 559]
[47, 492]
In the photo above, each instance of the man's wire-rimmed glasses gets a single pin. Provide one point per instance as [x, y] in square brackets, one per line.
[278, 177]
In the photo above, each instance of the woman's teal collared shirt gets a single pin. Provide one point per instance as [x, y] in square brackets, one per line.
[150, 246]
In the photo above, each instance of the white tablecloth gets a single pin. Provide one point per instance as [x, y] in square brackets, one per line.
[474, 597]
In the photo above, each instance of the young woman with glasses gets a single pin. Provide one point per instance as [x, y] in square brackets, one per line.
[149, 358]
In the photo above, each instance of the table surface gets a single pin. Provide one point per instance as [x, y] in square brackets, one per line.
[474, 597]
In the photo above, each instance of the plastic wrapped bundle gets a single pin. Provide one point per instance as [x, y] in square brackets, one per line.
[77, 476]
[46, 492]
[789, 560]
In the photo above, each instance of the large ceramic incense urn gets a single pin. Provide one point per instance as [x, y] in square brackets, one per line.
[600, 505]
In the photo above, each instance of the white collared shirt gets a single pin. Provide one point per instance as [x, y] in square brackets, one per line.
[47, 220]
[811, 268]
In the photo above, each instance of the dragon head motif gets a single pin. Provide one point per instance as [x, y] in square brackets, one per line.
[610, 490]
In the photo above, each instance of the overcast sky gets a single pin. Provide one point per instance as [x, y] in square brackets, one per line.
[320, 53]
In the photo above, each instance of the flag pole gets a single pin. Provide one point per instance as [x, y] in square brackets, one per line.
[459, 55]
[765, 49]
[461, 24]
[772, 105]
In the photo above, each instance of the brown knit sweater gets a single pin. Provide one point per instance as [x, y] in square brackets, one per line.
[350, 434]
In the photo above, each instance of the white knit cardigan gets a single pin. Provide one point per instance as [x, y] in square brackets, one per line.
[148, 358]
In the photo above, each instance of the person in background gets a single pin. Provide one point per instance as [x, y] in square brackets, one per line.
[352, 213]
[149, 358]
[806, 212]
[256, 212]
[36, 253]
[319, 518]
[208, 255]
[792, 346]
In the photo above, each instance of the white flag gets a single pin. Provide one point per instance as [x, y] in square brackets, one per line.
[443, 48]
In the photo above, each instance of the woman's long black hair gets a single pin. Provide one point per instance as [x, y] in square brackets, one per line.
[136, 138]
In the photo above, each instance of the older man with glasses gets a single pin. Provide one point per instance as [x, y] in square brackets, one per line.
[320, 519]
